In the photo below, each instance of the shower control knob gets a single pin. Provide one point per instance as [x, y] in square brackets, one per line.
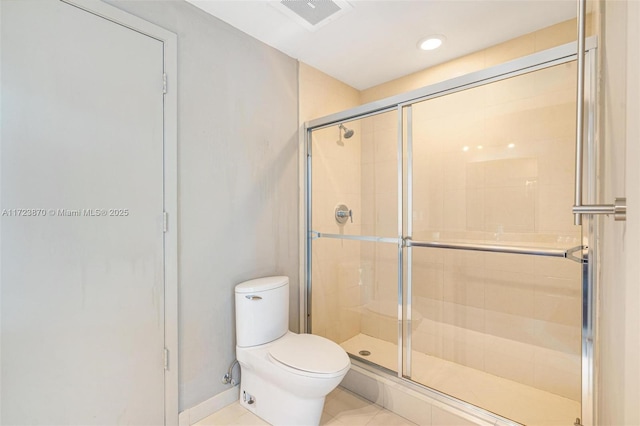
[343, 213]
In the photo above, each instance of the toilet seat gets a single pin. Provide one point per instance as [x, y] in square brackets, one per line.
[309, 355]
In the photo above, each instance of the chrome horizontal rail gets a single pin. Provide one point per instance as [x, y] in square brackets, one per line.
[493, 248]
[373, 239]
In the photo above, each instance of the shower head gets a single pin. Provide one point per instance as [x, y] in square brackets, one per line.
[347, 132]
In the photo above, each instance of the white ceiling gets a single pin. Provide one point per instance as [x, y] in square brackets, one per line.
[375, 41]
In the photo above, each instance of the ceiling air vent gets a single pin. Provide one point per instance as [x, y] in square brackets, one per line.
[312, 14]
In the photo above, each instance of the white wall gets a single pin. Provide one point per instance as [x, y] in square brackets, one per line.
[238, 182]
[619, 325]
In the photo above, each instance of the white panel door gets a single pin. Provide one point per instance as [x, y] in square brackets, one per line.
[82, 281]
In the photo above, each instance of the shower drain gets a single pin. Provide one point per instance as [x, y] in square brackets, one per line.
[365, 353]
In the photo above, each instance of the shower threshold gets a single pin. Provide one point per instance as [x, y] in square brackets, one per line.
[521, 403]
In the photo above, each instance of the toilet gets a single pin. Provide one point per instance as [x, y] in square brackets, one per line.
[285, 376]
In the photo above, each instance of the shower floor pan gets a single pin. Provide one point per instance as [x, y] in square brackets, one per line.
[522, 403]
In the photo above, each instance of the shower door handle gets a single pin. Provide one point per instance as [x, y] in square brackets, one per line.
[619, 208]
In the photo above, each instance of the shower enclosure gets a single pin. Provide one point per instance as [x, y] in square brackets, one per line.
[441, 244]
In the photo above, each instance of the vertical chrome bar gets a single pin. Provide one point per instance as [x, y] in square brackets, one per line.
[589, 230]
[588, 300]
[400, 241]
[577, 217]
[307, 313]
[409, 214]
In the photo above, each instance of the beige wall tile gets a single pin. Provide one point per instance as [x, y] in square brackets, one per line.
[511, 327]
[462, 317]
[369, 324]
[505, 364]
[554, 208]
[463, 259]
[555, 160]
[510, 262]
[427, 343]
[317, 94]
[510, 292]
[556, 286]
[558, 78]
[510, 209]
[513, 172]
[427, 279]
[464, 286]
[386, 144]
[558, 308]
[557, 268]
[430, 309]
[455, 210]
[555, 35]
[389, 329]
[463, 352]
[387, 214]
[386, 177]
[513, 348]
[511, 89]
[510, 50]
[560, 382]
[559, 337]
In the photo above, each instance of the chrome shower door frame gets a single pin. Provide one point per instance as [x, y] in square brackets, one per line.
[402, 104]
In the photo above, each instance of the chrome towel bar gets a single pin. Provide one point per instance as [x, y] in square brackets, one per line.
[619, 208]
[494, 248]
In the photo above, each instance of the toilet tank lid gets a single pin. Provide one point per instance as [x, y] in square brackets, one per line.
[261, 284]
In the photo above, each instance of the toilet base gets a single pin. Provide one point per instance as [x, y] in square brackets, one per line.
[277, 406]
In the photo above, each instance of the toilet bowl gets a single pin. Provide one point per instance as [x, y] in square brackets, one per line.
[285, 376]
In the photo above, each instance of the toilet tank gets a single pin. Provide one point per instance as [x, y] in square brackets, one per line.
[262, 310]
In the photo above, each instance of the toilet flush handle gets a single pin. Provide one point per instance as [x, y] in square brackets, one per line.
[253, 297]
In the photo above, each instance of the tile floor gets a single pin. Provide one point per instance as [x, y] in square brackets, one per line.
[507, 398]
[341, 408]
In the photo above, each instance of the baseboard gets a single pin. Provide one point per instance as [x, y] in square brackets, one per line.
[206, 408]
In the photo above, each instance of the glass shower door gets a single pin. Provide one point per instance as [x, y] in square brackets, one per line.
[493, 307]
[355, 239]
[441, 242]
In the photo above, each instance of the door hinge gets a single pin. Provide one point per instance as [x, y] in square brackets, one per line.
[165, 221]
[577, 422]
[164, 83]
[166, 358]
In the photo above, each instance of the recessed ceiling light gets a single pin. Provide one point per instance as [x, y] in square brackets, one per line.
[431, 42]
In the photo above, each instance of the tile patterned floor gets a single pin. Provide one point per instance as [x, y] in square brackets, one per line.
[341, 408]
